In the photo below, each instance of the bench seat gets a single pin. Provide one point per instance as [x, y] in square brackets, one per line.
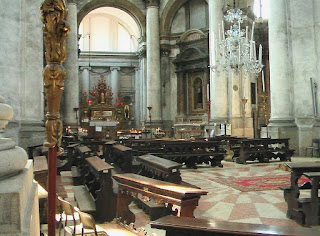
[84, 199]
[182, 226]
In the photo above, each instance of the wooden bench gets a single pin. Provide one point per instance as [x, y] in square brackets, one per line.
[96, 196]
[297, 207]
[264, 150]
[33, 149]
[188, 152]
[122, 157]
[40, 170]
[160, 168]
[107, 150]
[182, 199]
[175, 226]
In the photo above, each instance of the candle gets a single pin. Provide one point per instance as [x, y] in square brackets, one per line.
[244, 91]
[239, 30]
[254, 50]
[208, 93]
[260, 54]
[252, 31]
[219, 32]
[251, 50]
[263, 85]
[247, 30]
[223, 30]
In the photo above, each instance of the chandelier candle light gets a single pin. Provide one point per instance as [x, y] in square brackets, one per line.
[234, 50]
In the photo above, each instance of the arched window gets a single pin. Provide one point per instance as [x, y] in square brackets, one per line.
[108, 29]
[197, 94]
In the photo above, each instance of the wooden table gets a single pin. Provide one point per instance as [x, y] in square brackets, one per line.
[130, 185]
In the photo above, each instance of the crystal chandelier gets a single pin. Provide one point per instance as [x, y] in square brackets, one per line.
[234, 50]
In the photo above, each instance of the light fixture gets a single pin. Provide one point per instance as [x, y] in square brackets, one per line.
[235, 52]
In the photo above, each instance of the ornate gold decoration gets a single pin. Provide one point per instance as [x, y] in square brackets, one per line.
[53, 16]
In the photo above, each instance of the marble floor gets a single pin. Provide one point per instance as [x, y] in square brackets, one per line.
[223, 202]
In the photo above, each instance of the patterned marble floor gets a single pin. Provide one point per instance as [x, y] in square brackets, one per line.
[225, 203]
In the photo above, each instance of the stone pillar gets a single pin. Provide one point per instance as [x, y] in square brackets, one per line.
[218, 81]
[19, 204]
[21, 60]
[153, 60]
[71, 91]
[137, 81]
[142, 88]
[115, 82]
[85, 83]
[280, 81]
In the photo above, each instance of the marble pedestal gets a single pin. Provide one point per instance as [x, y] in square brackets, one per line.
[19, 207]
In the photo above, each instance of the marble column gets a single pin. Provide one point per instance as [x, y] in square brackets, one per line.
[153, 60]
[142, 88]
[218, 81]
[85, 83]
[280, 66]
[71, 91]
[115, 82]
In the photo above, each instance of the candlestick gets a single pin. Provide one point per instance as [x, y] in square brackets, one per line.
[254, 50]
[222, 26]
[263, 85]
[260, 54]
[247, 30]
[252, 31]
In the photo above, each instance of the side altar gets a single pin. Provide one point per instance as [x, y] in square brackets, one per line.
[99, 117]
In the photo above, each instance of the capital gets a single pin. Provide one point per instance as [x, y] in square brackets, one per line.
[115, 68]
[152, 3]
[72, 1]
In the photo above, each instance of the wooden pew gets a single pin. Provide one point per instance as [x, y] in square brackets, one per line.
[182, 226]
[96, 195]
[159, 168]
[183, 199]
[122, 157]
[264, 150]
[298, 208]
[183, 151]
[107, 150]
[40, 170]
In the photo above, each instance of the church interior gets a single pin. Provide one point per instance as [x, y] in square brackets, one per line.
[159, 117]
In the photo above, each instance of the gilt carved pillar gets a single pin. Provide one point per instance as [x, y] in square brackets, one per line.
[153, 60]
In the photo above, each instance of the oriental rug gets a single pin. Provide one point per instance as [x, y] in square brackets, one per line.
[257, 183]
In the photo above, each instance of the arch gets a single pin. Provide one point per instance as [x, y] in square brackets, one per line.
[124, 5]
[168, 14]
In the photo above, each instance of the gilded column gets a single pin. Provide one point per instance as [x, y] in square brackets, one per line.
[71, 94]
[115, 83]
[218, 81]
[153, 60]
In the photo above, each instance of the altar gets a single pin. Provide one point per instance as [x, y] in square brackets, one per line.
[99, 116]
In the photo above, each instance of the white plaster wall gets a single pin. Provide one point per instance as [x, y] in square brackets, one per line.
[198, 14]
[179, 21]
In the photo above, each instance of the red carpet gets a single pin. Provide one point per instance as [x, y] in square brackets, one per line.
[258, 183]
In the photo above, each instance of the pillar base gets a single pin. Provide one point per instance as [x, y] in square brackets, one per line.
[19, 204]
